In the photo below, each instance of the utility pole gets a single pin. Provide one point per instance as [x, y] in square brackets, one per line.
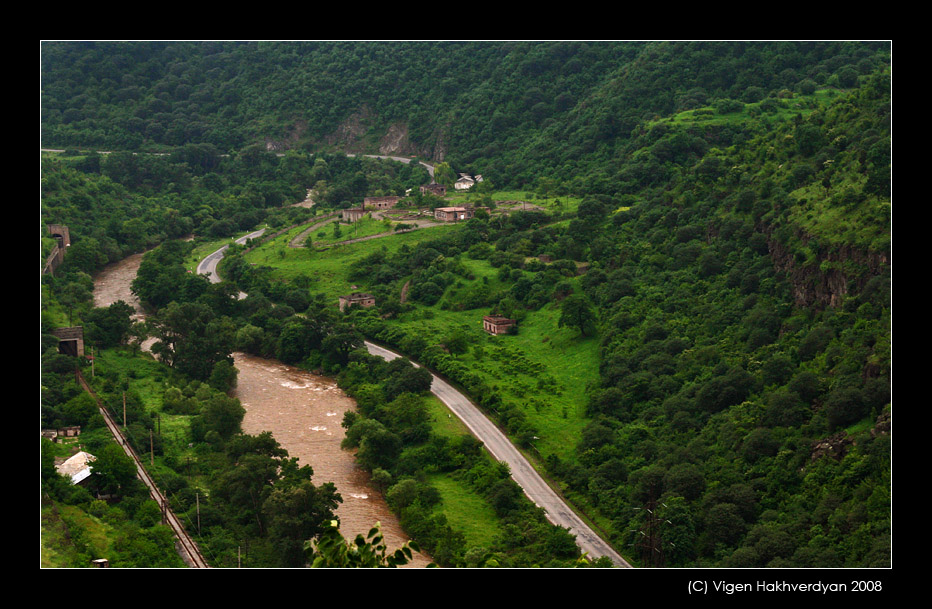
[197, 498]
[650, 542]
[151, 450]
[124, 410]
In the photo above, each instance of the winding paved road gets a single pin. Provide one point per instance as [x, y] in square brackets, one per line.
[208, 266]
[401, 159]
[534, 486]
[521, 470]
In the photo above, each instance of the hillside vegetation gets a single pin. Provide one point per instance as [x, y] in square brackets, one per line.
[710, 338]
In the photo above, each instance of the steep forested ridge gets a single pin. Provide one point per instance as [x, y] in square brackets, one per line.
[535, 108]
[733, 223]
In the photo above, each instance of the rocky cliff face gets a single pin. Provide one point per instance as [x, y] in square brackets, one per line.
[396, 142]
[837, 445]
[349, 134]
[352, 137]
[825, 282]
[282, 144]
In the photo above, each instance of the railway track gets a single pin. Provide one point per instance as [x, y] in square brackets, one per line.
[187, 548]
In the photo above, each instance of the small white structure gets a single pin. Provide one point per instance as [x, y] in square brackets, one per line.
[77, 468]
[466, 181]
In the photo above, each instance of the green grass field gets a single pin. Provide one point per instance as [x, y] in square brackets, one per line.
[328, 268]
[366, 227]
[502, 197]
[147, 378]
[543, 369]
[70, 537]
[786, 108]
[466, 511]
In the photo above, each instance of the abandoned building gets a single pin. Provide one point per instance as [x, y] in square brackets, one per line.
[434, 189]
[55, 435]
[380, 202]
[70, 341]
[352, 215]
[496, 324]
[454, 214]
[62, 238]
[358, 299]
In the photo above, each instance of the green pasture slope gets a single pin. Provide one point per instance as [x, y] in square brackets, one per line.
[328, 268]
[544, 369]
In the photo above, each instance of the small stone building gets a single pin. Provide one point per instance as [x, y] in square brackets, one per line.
[357, 298]
[496, 324]
[62, 237]
[434, 189]
[57, 435]
[353, 214]
[70, 340]
[453, 214]
[61, 234]
[380, 202]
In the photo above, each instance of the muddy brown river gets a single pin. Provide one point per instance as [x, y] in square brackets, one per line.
[303, 411]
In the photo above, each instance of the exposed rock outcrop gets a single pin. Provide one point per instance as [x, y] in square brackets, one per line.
[825, 282]
[882, 426]
[395, 141]
[834, 446]
[349, 133]
[290, 139]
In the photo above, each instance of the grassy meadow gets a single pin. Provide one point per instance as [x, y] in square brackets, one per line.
[543, 369]
[328, 268]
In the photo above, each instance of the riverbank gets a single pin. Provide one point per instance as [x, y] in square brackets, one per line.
[303, 412]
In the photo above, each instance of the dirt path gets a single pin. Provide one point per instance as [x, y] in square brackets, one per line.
[418, 224]
[299, 240]
[379, 236]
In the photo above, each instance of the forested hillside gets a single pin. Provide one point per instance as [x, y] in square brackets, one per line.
[710, 239]
[542, 110]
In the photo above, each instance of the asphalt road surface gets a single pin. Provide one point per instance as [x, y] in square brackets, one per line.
[526, 476]
[208, 266]
[491, 436]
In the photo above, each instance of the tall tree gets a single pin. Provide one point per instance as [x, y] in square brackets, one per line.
[576, 313]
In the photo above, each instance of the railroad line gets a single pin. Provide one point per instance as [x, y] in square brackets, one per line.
[186, 546]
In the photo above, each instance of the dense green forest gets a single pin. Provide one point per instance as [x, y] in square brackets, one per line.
[725, 261]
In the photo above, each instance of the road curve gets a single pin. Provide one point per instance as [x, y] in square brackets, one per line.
[521, 470]
[401, 159]
[494, 440]
[208, 266]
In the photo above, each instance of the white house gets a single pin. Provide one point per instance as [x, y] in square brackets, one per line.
[466, 181]
[77, 468]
